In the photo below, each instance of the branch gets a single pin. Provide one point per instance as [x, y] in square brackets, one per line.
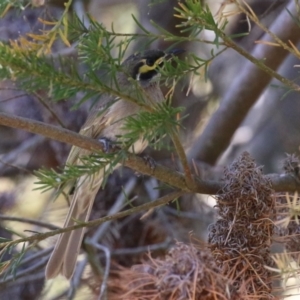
[280, 182]
[134, 162]
[255, 75]
[251, 15]
[41, 236]
[11, 156]
[182, 156]
[29, 221]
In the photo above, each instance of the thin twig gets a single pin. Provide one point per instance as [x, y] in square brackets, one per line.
[50, 110]
[31, 269]
[81, 12]
[152, 193]
[246, 88]
[24, 146]
[29, 221]
[248, 12]
[76, 279]
[208, 216]
[103, 289]
[129, 186]
[13, 97]
[20, 169]
[28, 278]
[165, 37]
[184, 161]
[283, 26]
[41, 236]
[137, 250]
[36, 255]
[150, 186]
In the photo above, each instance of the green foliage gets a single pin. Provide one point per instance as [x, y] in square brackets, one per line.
[10, 267]
[152, 126]
[5, 5]
[196, 17]
[97, 49]
[28, 61]
[96, 46]
[34, 73]
[89, 165]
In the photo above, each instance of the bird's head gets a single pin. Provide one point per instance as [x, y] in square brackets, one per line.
[144, 66]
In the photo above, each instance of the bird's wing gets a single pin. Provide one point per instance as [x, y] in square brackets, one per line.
[93, 126]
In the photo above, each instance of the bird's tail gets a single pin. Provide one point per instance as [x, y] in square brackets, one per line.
[64, 256]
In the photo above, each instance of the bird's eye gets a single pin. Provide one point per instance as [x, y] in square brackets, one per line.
[150, 62]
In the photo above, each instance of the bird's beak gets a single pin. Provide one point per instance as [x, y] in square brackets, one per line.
[171, 53]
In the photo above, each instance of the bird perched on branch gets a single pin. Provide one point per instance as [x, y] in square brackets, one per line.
[106, 123]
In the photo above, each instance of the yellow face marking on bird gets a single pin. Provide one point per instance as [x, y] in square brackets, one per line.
[146, 67]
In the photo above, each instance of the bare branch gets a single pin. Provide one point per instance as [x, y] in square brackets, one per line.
[41, 236]
[29, 221]
[255, 75]
[280, 183]
[164, 174]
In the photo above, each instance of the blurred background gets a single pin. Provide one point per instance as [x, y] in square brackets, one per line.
[269, 131]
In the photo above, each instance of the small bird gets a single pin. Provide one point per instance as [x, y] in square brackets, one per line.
[105, 122]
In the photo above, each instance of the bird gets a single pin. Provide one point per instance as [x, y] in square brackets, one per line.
[105, 122]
